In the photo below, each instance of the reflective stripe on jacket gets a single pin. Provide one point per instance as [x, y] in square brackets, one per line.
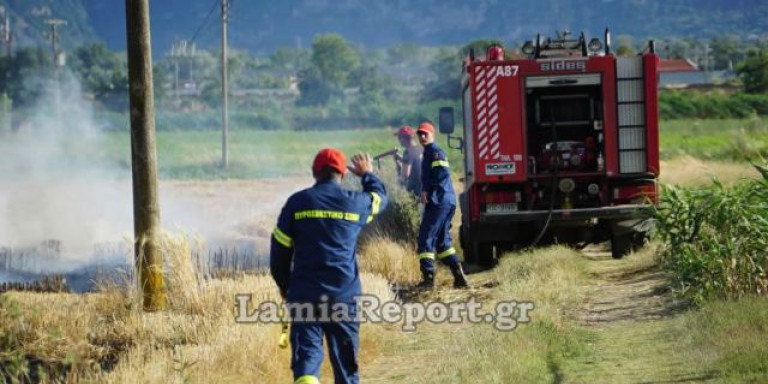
[436, 176]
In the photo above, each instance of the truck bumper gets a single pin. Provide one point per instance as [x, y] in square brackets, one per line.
[613, 213]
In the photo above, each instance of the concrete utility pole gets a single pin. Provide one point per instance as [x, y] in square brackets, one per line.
[224, 86]
[58, 59]
[146, 210]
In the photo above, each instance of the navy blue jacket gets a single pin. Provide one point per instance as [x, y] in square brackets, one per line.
[436, 176]
[313, 245]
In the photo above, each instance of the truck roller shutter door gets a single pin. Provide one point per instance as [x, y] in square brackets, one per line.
[632, 126]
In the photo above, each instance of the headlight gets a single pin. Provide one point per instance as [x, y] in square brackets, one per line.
[593, 189]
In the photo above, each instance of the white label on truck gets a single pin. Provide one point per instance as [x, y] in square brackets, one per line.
[500, 169]
[507, 70]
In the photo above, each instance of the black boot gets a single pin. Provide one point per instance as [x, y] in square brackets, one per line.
[427, 280]
[459, 279]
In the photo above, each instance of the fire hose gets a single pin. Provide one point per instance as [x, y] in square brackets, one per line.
[392, 152]
[553, 194]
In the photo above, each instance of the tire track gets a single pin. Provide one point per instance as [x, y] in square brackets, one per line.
[631, 311]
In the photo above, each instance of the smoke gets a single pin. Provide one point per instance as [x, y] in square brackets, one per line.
[54, 181]
[59, 186]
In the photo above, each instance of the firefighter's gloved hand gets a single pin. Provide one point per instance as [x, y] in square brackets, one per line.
[361, 164]
[424, 198]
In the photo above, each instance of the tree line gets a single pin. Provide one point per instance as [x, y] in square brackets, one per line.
[333, 80]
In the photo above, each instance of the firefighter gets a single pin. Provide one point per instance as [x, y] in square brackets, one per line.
[312, 260]
[439, 202]
[410, 161]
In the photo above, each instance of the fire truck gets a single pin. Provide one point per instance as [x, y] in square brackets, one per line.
[559, 145]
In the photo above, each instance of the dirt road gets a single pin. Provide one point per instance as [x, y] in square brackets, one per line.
[629, 314]
[631, 310]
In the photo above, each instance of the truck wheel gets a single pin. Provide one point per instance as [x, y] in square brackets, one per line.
[640, 239]
[621, 245]
[486, 256]
[470, 255]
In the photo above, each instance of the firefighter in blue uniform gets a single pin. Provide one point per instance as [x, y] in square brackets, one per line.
[312, 260]
[439, 207]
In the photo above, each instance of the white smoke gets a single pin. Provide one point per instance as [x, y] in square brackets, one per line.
[57, 183]
[54, 182]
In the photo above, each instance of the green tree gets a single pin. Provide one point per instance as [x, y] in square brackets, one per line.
[375, 92]
[447, 69]
[101, 72]
[334, 58]
[162, 81]
[25, 76]
[240, 66]
[726, 50]
[754, 72]
[290, 60]
[332, 62]
[624, 46]
[675, 48]
[313, 89]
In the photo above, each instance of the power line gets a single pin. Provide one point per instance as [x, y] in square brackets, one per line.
[205, 22]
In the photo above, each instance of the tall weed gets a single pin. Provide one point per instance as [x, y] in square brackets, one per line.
[400, 220]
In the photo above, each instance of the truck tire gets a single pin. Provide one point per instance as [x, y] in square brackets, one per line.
[469, 253]
[486, 255]
[640, 239]
[626, 238]
[621, 245]
[476, 251]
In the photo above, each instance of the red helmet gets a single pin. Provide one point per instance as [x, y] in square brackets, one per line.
[404, 131]
[426, 127]
[330, 157]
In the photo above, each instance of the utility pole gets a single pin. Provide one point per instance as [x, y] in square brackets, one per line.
[178, 51]
[58, 59]
[5, 30]
[175, 55]
[146, 210]
[224, 86]
[6, 104]
[182, 51]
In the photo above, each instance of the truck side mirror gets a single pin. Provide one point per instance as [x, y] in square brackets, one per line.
[446, 123]
[445, 119]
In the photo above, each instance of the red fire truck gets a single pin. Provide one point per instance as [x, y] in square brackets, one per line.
[559, 146]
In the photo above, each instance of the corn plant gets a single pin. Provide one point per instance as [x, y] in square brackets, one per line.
[715, 239]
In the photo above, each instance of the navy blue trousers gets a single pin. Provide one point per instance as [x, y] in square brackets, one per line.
[435, 237]
[343, 340]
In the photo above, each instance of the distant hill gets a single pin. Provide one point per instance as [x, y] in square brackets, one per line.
[262, 26]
